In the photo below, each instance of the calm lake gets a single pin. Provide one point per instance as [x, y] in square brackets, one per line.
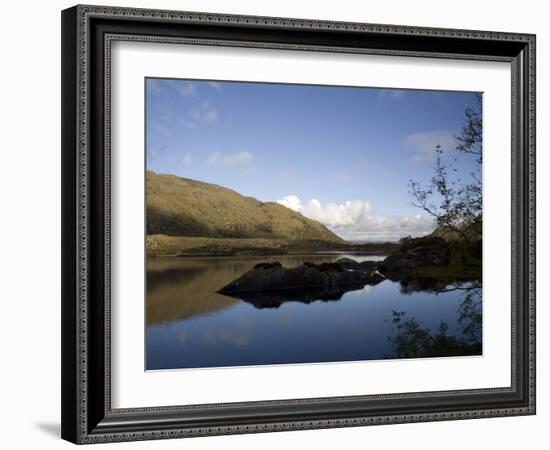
[189, 325]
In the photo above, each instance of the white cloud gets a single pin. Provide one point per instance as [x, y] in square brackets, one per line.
[211, 115]
[423, 144]
[331, 214]
[185, 123]
[187, 159]
[291, 202]
[201, 111]
[356, 220]
[204, 114]
[184, 88]
[240, 160]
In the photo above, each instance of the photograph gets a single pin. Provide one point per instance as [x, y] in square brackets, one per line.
[293, 224]
[273, 223]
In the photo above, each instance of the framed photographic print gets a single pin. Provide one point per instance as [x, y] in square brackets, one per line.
[277, 224]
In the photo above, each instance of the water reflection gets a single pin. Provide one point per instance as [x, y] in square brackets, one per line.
[179, 288]
[189, 325]
[277, 298]
[413, 340]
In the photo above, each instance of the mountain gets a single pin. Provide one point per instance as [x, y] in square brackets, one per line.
[178, 207]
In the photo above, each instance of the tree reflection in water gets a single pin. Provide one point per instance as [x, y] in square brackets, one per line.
[415, 341]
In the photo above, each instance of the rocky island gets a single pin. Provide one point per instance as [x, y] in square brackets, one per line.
[428, 263]
[270, 284]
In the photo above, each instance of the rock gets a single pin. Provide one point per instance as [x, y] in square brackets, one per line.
[396, 262]
[351, 264]
[368, 266]
[348, 263]
[267, 265]
[326, 277]
[274, 299]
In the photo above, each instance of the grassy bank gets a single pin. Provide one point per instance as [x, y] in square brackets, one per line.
[162, 245]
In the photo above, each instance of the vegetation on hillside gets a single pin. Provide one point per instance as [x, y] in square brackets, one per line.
[433, 257]
[183, 207]
[192, 218]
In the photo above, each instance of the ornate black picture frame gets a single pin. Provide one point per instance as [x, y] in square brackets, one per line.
[87, 34]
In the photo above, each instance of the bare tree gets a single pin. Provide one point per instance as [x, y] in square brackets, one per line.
[454, 203]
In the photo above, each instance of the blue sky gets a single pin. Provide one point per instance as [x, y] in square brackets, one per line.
[340, 155]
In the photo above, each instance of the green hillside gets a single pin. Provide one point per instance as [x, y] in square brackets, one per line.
[180, 207]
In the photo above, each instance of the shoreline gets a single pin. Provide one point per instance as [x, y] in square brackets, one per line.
[268, 255]
[413, 261]
[185, 247]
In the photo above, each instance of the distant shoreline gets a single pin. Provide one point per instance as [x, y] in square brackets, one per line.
[185, 246]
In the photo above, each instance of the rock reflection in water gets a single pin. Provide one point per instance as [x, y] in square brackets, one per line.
[276, 299]
[189, 325]
[180, 288]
